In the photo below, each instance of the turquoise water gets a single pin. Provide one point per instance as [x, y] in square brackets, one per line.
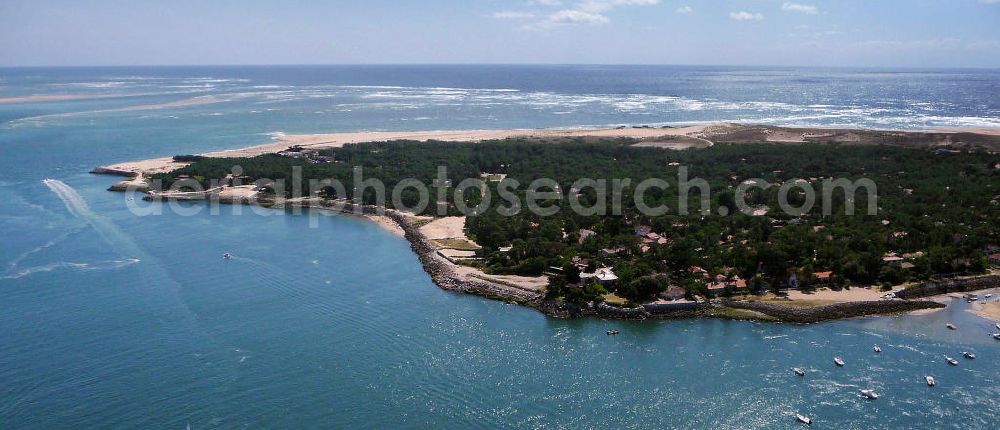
[110, 320]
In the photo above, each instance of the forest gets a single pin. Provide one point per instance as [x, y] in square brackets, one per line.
[937, 212]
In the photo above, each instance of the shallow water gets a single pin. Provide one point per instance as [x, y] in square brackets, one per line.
[112, 320]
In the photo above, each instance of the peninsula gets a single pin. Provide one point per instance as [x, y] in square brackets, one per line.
[935, 221]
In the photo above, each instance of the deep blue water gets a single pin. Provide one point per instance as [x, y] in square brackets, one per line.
[110, 320]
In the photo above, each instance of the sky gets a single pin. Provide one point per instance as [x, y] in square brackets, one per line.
[854, 33]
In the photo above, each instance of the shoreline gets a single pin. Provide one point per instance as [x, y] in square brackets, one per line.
[448, 275]
[675, 138]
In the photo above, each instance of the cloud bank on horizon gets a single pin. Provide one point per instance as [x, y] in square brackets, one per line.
[886, 33]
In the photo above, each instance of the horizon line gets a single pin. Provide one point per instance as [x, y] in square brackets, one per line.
[874, 67]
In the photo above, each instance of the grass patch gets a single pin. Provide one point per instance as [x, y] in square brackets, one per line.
[457, 244]
[613, 299]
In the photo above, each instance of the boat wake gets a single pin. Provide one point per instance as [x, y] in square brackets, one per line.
[99, 265]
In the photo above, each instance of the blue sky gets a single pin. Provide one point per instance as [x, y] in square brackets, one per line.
[887, 33]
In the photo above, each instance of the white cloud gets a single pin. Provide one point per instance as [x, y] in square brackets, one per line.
[684, 9]
[586, 12]
[746, 16]
[797, 7]
[570, 16]
[549, 2]
[989, 1]
[507, 14]
[598, 6]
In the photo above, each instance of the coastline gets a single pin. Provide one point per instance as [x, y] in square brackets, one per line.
[449, 276]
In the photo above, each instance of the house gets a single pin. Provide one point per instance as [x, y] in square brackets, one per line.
[697, 270]
[823, 277]
[892, 260]
[603, 275]
[721, 282]
[585, 234]
[995, 259]
[610, 252]
[643, 230]
[673, 292]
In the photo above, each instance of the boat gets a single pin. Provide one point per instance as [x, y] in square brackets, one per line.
[951, 326]
[951, 361]
[998, 325]
[996, 336]
[804, 419]
[227, 256]
[969, 355]
[838, 360]
[612, 332]
[988, 296]
[869, 393]
[799, 371]
[877, 349]
[930, 380]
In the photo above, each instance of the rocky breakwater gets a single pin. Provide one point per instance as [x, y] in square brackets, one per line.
[832, 311]
[961, 285]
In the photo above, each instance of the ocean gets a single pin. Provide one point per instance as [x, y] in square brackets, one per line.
[112, 320]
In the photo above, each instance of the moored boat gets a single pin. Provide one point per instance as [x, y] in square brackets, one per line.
[996, 336]
[969, 355]
[612, 332]
[951, 361]
[930, 381]
[839, 361]
[877, 349]
[804, 419]
[799, 371]
[951, 326]
[227, 256]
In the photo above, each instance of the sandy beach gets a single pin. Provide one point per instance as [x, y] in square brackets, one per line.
[281, 141]
[988, 310]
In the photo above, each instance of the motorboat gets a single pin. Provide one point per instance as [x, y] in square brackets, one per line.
[799, 371]
[227, 256]
[969, 355]
[996, 336]
[998, 325]
[930, 381]
[869, 393]
[951, 361]
[804, 419]
[838, 360]
[612, 332]
[877, 349]
[951, 326]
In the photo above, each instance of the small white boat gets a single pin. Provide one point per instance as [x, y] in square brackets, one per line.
[839, 361]
[869, 393]
[930, 381]
[612, 332]
[996, 336]
[227, 256]
[998, 325]
[804, 419]
[877, 349]
[987, 296]
[969, 355]
[799, 371]
[951, 361]
[951, 326]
